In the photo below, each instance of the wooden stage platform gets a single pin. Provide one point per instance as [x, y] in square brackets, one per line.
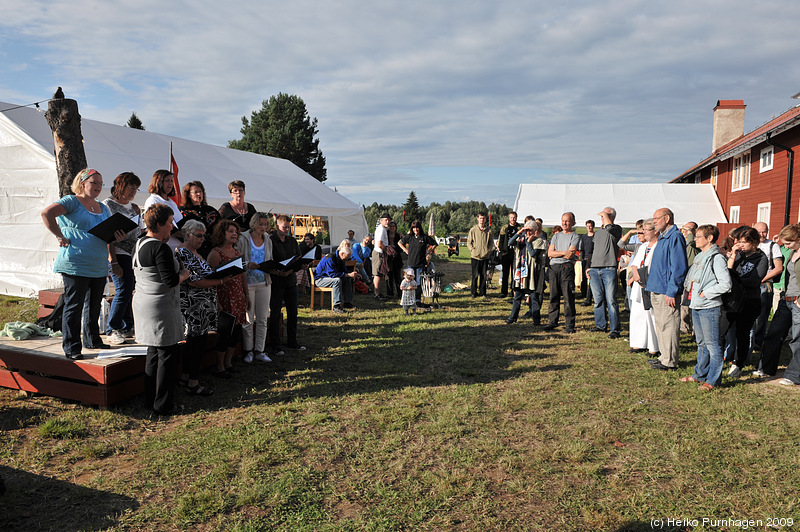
[39, 366]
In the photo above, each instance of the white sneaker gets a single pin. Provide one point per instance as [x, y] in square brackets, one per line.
[262, 357]
[129, 333]
[248, 357]
[115, 338]
[735, 371]
[785, 382]
[758, 373]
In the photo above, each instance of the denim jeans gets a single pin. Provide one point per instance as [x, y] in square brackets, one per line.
[709, 345]
[604, 290]
[120, 317]
[82, 298]
[534, 306]
[339, 286]
[793, 369]
[363, 272]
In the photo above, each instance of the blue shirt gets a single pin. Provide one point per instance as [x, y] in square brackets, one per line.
[361, 252]
[86, 255]
[668, 267]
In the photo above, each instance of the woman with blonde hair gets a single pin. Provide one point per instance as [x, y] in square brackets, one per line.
[783, 320]
[82, 260]
[256, 247]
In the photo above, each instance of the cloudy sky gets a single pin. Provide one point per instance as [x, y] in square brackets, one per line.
[455, 100]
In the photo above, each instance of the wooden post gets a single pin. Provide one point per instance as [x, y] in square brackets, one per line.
[65, 121]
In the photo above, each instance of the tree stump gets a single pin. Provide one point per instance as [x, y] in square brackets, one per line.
[65, 121]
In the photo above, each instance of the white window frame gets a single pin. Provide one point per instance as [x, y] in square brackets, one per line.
[740, 176]
[767, 159]
[714, 176]
[763, 212]
[734, 217]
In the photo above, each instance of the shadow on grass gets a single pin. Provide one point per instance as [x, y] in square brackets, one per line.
[18, 417]
[364, 353]
[69, 506]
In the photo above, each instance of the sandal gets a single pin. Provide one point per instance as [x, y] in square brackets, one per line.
[689, 378]
[706, 387]
[183, 383]
[199, 389]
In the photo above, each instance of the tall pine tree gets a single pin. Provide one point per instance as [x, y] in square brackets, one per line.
[282, 128]
[411, 208]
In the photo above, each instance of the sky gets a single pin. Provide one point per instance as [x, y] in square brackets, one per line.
[455, 100]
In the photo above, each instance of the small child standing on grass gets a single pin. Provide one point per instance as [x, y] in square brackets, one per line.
[409, 288]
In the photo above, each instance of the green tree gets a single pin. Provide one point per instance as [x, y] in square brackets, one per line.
[282, 128]
[411, 208]
[134, 122]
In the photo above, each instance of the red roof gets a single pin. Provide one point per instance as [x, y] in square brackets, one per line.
[776, 122]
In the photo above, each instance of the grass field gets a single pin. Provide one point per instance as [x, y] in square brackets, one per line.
[449, 420]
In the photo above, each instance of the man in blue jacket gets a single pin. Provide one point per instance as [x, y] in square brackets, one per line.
[332, 272]
[665, 284]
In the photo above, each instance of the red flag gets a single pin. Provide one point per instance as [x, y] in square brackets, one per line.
[173, 167]
[490, 219]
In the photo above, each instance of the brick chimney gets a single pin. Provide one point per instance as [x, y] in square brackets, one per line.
[728, 122]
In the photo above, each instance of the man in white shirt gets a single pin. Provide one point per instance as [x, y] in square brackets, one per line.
[381, 240]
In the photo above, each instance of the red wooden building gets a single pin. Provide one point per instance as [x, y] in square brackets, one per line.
[752, 173]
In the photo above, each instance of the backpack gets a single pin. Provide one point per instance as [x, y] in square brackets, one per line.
[733, 300]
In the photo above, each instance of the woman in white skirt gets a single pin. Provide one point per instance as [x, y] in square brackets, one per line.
[642, 324]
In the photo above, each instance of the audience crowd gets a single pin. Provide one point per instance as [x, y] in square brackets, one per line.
[186, 271]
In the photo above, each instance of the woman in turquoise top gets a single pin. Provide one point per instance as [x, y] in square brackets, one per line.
[82, 260]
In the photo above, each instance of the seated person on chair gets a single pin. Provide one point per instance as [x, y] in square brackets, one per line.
[362, 254]
[332, 273]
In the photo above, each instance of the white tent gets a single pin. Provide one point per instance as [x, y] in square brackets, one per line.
[689, 202]
[28, 183]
